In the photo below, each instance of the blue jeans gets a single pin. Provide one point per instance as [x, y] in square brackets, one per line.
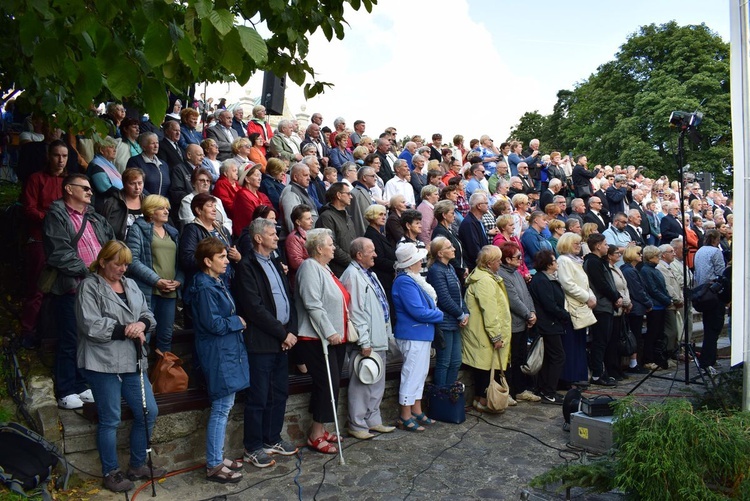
[69, 379]
[448, 360]
[217, 430]
[265, 399]
[108, 389]
[164, 311]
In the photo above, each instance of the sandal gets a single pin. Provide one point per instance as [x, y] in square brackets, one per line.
[331, 437]
[409, 424]
[232, 465]
[223, 475]
[423, 419]
[320, 444]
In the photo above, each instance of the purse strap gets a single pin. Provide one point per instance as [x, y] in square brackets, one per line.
[78, 235]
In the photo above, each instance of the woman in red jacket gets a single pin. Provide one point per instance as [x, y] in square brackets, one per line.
[227, 186]
[248, 198]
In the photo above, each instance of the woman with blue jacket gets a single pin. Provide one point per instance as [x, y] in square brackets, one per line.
[655, 341]
[414, 301]
[221, 349]
[642, 304]
[442, 276]
[154, 244]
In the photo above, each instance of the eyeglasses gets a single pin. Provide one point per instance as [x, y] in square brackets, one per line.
[85, 188]
[346, 193]
[204, 181]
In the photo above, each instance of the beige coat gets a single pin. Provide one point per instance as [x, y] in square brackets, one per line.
[489, 317]
[575, 284]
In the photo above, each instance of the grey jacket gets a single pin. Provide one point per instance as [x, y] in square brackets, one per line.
[292, 196]
[101, 317]
[141, 270]
[365, 309]
[521, 303]
[319, 302]
[58, 234]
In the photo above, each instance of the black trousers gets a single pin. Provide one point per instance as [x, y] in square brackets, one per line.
[601, 332]
[518, 381]
[611, 356]
[713, 323]
[654, 342]
[320, 396]
[554, 361]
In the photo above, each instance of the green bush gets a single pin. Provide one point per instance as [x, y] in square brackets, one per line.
[668, 452]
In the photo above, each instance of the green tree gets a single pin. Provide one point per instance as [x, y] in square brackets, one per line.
[66, 54]
[620, 114]
[531, 125]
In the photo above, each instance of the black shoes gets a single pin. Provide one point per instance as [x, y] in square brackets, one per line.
[553, 399]
[604, 381]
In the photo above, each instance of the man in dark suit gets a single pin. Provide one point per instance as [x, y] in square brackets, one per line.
[594, 215]
[634, 228]
[638, 195]
[582, 178]
[548, 195]
[386, 168]
[670, 225]
[471, 231]
[169, 151]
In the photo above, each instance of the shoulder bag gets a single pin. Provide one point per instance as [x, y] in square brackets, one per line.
[48, 276]
[497, 392]
[534, 358]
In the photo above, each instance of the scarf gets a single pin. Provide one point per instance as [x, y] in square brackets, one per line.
[422, 282]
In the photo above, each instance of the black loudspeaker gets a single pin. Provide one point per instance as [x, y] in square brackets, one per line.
[273, 93]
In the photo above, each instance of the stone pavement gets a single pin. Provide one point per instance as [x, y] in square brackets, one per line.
[486, 457]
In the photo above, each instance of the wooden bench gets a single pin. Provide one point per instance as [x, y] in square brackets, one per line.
[197, 398]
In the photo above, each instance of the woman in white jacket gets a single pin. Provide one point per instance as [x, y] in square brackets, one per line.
[579, 301]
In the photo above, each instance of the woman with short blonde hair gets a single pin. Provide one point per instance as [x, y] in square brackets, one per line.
[154, 243]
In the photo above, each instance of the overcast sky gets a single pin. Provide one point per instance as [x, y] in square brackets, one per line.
[471, 66]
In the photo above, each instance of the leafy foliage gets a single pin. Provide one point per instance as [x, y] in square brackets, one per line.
[66, 54]
[620, 114]
[669, 452]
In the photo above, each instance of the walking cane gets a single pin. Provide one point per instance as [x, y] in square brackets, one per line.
[141, 369]
[333, 401]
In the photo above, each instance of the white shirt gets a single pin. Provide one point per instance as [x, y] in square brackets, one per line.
[398, 186]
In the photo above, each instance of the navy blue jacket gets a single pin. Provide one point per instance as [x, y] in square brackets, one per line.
[218, 336]
[473, 238]
[655, 286]
[638, 296]
[443, 279]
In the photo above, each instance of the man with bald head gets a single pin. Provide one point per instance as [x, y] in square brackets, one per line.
[296, 193]
[595, 215]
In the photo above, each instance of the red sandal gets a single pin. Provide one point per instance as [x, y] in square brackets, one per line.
[320, 444]
[331, 437]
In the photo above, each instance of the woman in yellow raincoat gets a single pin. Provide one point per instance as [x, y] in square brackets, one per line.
[487, 334]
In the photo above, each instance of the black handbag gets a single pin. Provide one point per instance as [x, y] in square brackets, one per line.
[628, 343]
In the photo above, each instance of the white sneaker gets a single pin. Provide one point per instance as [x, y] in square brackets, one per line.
[511, 401]
[528, 396]
[86, 397]
[70, 402]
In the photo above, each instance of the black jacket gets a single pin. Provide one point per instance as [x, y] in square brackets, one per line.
[645, 226]
[342, 226]
[458, 261]
[582, 178]
[386, 252]
[254, 300]
[601, 282]
[473, 238]
[549, 303]
[590, 217]
[670, 229]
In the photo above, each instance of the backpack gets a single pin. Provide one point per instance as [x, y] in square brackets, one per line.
[27, 461]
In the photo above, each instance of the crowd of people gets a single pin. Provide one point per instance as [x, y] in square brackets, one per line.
[283, 245]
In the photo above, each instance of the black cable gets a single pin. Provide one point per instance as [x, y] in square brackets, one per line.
[212, 498]
[508, 428]
[429, 465]
[298, 466]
